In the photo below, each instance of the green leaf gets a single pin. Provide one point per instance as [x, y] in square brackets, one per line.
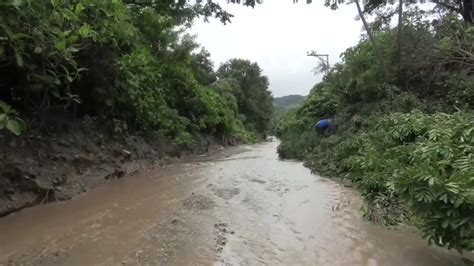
[38, 50]
[85, 30]
[19, 60]
[20, 35]
[465, 220]
[72, 49]
[444, 198]
[5, 107]
[79, 8]
[3, 120]
[15, 126]
[17, 3]
[458, 202]
[61, 45]
[431, 181]
[54, 3]
[445, 224]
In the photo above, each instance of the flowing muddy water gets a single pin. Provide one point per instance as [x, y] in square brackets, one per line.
[242, 207]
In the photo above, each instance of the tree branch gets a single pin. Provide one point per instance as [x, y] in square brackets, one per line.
[448, 6]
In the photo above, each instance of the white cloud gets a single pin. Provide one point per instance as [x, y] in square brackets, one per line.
[277, 34]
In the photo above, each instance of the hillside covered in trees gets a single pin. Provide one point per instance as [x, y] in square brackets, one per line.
[282, 106]
[402, 100]
[288, 101]
[81, 74]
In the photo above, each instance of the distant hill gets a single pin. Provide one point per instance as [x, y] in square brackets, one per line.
[288, 101]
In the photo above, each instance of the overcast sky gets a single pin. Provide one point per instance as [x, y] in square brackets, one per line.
[277, 35]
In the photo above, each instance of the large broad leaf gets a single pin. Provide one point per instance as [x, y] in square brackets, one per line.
[3, 120]
[61, 45]
[55, 3]
[19, 60]
[4, 107]
[15, 126]
[17, 3]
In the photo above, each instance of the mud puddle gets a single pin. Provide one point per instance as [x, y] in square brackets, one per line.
[244, 207]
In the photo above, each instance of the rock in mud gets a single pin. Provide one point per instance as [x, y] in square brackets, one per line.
[226, 193]
[59, 181]
[221, 239]
[256, 180]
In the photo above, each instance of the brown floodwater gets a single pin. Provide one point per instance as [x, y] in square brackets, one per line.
[243, 206]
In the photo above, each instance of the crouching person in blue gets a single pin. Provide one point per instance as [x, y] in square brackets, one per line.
[325, 126]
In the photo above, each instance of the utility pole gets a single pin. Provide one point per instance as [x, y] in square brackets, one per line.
[320, 57]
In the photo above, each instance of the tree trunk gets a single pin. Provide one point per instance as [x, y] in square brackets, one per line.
[399, 36]
[378, 50]
[468, 10]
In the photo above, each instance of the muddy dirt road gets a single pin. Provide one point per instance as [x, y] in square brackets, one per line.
[242, 207]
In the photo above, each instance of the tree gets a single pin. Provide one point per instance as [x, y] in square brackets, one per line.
[377, 48]
[209, 8]
[203, 67]
[128, 62]
[463, 7]
[399, 35]
[229, 89]
[184, 9]
[253, 97]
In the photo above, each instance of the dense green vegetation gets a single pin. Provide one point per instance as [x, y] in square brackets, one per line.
[254, 103]
[128, 61]
[405, 129]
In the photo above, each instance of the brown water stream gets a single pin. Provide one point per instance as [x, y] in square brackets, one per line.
[242, 207]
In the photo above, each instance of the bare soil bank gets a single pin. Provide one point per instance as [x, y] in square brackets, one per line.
[74, 157]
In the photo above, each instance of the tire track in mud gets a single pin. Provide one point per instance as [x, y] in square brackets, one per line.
[264, 196]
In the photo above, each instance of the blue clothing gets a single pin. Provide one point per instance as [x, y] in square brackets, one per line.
[323, 124]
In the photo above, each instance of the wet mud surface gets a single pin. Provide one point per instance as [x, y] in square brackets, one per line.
[243, 207]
